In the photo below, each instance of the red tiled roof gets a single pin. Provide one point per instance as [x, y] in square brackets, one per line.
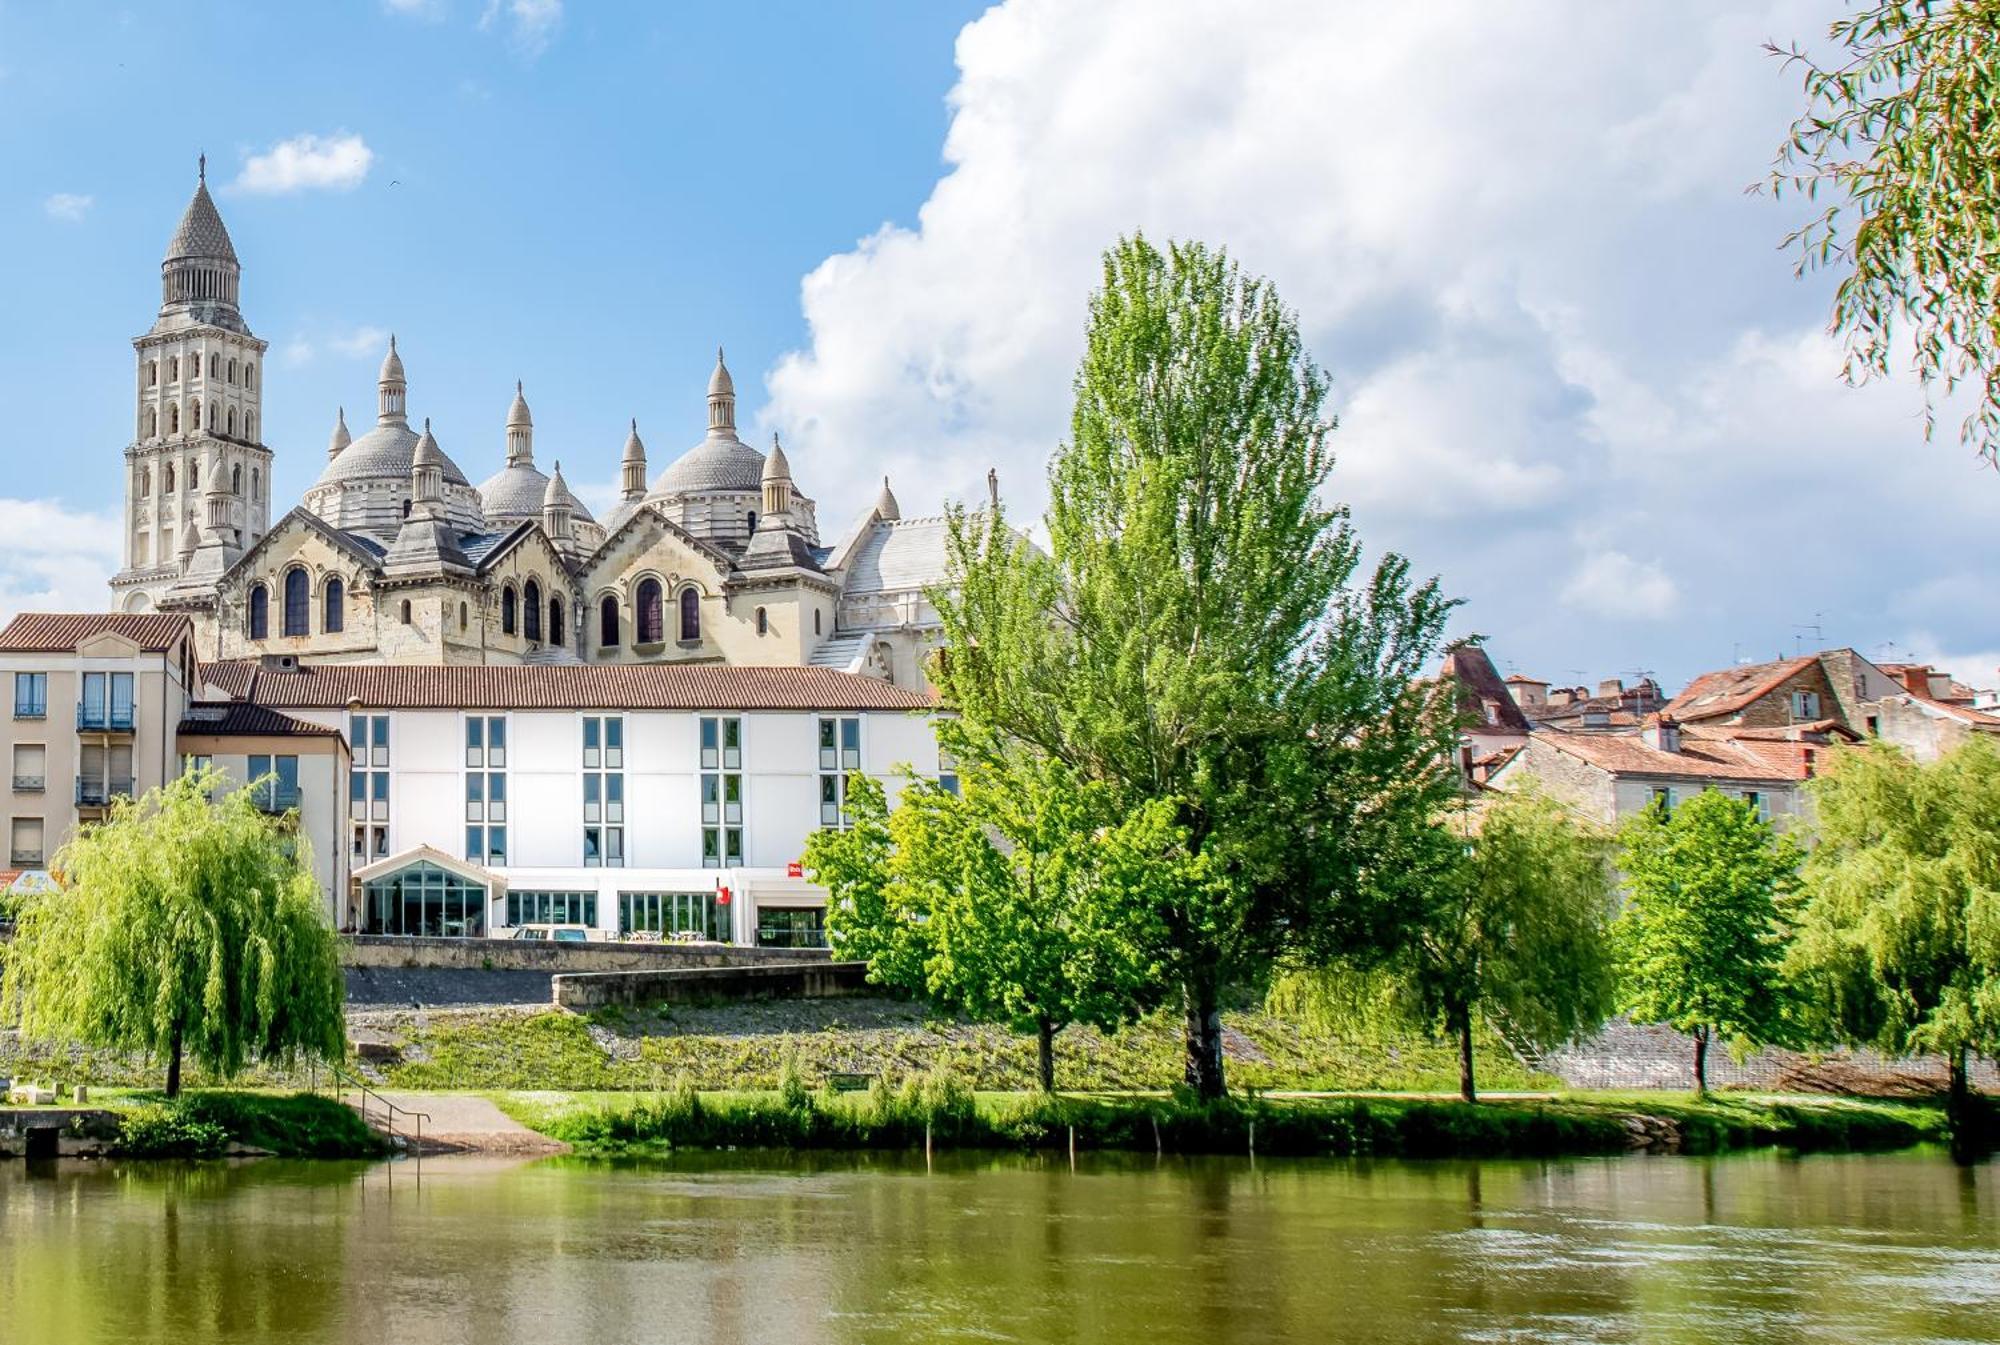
[1482, 696]
[240, 719]
[62, 632]
[1728, 690]
[1700, 758]
[606, 686]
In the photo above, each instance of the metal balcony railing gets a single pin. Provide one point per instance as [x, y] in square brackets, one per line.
[99, 793]
[29, 784]
[31, 710]
[104, 717]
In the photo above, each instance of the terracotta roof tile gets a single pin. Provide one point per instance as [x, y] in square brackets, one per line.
[240, 719]
[606, 686]
[1482, 696]
[1728, 690]
[1722, 759]
[62, 632]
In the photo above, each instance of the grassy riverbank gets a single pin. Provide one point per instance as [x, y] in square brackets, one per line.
[223, 1123]
[1387, 1126]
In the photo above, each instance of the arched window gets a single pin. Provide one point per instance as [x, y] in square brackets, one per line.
[173, 420]
[763, 623]
[507, 610]
[260, 612]
[249, 375]
[297, 604]
[816, 629]
[236, 478]
[152, 373]
[753, 520]
[652, 620]
[194, 415]
[146, 481]
[232, 421]
[406, 508]
[250, 427]
[150, 421]
[406, 611]
[690, 614]
[607, 623]
[558, 632]
[214, 415]
[256, 484]
[464, 617]
[334, 617]
[167, 475]
[214, 365]
[531, 608]
[194, 475]
[232, 373]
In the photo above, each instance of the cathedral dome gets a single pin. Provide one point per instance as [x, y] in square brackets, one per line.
[517, 492]
[384, 453]
[718, 462]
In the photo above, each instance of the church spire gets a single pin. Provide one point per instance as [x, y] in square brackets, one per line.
[340, 438]
[632, 469]
[392, 388]
[721, 399]
[520, 431]
[200, 273]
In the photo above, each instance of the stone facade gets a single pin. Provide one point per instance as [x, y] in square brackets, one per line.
[394, 556]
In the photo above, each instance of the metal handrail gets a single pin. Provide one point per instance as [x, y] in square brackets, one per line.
[342, 1080]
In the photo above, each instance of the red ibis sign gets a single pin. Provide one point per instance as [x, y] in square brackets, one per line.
[795, 870]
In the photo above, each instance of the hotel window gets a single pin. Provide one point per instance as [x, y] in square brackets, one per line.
[31, 695]
[689, 915]
[721, 792]
[552, 908]
[280, 793]
[368, 786]
[603, 791]
[106, 702]
[486, 789]
[839, 753]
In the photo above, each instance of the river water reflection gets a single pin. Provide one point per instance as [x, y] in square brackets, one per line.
[730, 1248]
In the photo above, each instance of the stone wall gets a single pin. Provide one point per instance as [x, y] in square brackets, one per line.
[789, 980]
[369, 950]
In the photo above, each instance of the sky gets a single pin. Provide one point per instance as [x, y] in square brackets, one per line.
[1574, 374]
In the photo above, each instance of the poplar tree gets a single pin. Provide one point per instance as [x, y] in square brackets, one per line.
[183, 928]
[1899, 922]
[1198, 634]
[1700, 941]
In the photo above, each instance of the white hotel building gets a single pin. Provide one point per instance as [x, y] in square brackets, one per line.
[662, 798]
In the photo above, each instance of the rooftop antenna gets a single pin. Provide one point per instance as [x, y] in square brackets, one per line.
[1800, 630]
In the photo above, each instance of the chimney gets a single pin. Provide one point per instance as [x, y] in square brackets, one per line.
[1611, 686]
[1663, 734]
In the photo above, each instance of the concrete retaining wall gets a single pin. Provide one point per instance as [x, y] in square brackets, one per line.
[584, 991]
[375, 950]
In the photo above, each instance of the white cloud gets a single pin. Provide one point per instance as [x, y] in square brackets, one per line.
[347, 343]
[57, 558]
[1566, 353]
[530, 24]
[1611, 584]
[69, 206]
[336, 162]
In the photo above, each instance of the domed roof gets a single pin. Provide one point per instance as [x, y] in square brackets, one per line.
[201, 233]
[719, 462]
[777, 467]
[392, 365]
[517, 492]
[384, 453]
[517, 414]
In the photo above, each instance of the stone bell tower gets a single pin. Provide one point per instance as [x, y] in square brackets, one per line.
[196, 470]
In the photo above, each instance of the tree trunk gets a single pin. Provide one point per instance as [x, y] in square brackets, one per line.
[1701, 1062]
[1462, 1023]
[1961, 1121]
[1199, 997]
[174, 1064]
[1045, 1053]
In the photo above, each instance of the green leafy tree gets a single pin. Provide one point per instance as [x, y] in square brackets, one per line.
[1899, 917]
[184, 928]
[1025, 897]
[1700, 942]
[1897, 147]
[1516, 927]
[1196, 636]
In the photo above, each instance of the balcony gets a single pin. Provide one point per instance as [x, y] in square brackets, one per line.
[105, 718]
[29, 784]
[100, 793]
[273, 798]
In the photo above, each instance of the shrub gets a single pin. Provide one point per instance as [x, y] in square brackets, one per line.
[169, 1130]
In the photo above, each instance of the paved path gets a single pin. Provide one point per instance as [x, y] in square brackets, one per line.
[465, 1123]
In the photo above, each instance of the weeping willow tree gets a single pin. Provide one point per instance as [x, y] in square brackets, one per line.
[184, 928]
[1514, 928]
[1899, 928]
[1897, 148]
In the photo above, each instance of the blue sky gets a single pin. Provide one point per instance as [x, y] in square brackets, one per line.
[1575, 376]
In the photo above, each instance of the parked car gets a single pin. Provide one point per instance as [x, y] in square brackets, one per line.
[557, 933]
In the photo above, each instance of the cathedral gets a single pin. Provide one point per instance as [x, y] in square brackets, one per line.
[394, 556]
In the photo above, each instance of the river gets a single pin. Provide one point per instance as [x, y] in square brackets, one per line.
[738, 1248]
